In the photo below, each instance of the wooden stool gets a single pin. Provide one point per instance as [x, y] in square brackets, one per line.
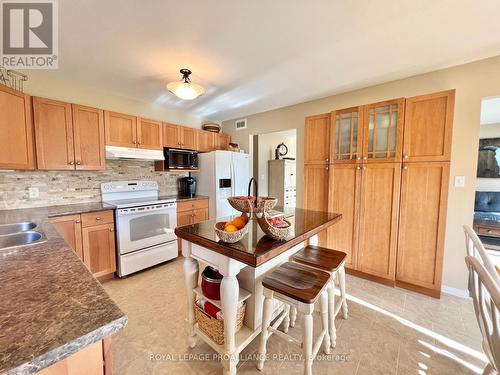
[333, 262]
[299, 287]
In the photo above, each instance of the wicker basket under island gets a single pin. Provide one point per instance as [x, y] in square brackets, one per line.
[214, 328]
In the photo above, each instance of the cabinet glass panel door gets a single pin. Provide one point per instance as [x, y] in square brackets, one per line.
[346, 135]
[383, 130]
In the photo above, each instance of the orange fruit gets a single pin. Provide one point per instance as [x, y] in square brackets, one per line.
[230, 228]
[239, 222]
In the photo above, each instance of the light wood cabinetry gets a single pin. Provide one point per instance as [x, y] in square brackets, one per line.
[191, 212]
[347, 135]
[94, 359]
[88, 137]
[149, 134]
[388, 177]
[53, 134]
[424, 193]
[189, 138]
[317, 139]
[70, 229]
[344, 197]
[378, 222]
[91, 235]
[171, 136]
[222, 141]
[428, 127]
[121, 130]
[99, 249]
[383, 131]
[206, 141]
[68, 136]
[16, 130]
[316, 186]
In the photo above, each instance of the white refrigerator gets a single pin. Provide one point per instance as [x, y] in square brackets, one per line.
[222, 174]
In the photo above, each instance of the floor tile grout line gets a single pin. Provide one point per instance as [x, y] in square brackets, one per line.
[397, 360]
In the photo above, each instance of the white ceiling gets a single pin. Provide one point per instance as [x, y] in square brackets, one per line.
[256, 55]
[490, 111]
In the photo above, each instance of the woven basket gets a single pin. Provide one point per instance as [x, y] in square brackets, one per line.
[214, 328]
[230, 237]
[273, 232]
[247, 204]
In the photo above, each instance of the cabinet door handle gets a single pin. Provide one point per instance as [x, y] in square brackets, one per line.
[71, 163]
[134, 141]
[78, 163]
[359, 158]
[326, 167]
[111, 230]
[365, 158]
[358, 168]
[77, 221]
[406, 156]
[98, 218]
[327, 160]
[405, 167]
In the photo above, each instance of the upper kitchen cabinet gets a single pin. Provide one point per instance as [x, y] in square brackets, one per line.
[53, 134]
[88, 136]
[428, 125]
[189, 138]
[317, 139]
[383, 131]
[347, 135]
[171, 136]
[222, 141]
[149, 134]
[177, 136]
[16, 130]
[121, 130]
[206, 141]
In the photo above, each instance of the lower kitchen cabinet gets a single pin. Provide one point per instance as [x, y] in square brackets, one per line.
[70, 229]
[92, 237]
[191, 212]
[99, 249]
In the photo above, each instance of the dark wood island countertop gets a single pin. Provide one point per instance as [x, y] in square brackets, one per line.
[255, 248]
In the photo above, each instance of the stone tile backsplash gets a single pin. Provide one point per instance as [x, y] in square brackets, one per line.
[67, 187]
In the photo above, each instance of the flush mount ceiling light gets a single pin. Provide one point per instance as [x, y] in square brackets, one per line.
[184, 88]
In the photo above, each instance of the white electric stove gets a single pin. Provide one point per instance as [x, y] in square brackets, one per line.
[145, 224]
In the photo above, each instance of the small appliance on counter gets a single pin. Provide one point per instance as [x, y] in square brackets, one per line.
[187, 186]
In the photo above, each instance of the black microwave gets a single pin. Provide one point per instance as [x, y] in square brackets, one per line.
[176, 158]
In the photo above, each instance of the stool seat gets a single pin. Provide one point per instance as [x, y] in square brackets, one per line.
[320, 257]
[302, 283]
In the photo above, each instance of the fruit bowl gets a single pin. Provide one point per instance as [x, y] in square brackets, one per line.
[247, 204]
[231, 236]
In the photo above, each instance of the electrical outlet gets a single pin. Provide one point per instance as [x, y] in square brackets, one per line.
[33, 192]
[460, 181]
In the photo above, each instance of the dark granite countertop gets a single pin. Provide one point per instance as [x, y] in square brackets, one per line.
[256, 248]
[51, 305]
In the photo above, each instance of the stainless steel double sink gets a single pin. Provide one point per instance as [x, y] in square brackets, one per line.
[19, 234]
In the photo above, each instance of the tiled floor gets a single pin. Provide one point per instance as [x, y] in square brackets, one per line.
[389, 331]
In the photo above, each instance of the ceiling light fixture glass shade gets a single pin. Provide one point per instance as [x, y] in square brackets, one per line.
[184, 88]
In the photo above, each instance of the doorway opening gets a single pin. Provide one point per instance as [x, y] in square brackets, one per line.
[273, 156]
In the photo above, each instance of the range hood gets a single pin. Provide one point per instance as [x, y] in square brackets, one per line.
[114, 152]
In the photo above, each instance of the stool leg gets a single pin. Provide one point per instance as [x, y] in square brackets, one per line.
[324, 321]
[286, 322]
[307, 339]
[266, 321]
[331, 312]
[342, 291]
[293, 316]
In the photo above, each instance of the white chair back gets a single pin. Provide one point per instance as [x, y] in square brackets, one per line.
[475, 248]
[486, 298]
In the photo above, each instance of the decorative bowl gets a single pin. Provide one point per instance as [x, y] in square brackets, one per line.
[247, 204]
[229, 237]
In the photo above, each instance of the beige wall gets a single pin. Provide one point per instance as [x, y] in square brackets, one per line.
[472, 81]
[488, 184]
[43, 83]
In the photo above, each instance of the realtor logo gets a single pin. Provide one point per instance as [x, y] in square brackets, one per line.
[29, 34]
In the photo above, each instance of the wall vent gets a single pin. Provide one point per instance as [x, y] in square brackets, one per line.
[241, 124]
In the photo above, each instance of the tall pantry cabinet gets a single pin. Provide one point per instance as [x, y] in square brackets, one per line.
[386, 170]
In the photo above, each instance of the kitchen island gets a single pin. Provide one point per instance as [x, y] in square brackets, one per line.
[243, 266]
